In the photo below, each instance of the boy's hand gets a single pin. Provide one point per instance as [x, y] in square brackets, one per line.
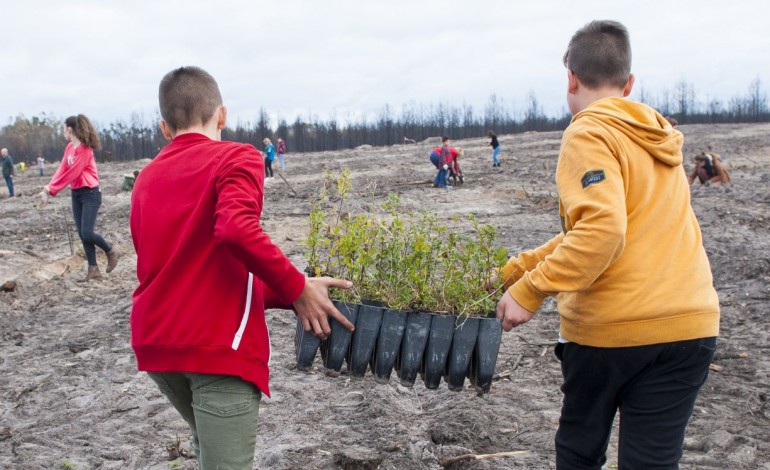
[313, 305]
[511, 313]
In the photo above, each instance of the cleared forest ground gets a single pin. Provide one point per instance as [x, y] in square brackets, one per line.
[70, 392]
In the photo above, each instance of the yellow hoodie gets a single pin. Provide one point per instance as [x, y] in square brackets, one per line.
[629, 268]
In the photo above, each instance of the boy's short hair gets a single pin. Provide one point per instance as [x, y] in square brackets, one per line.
[599, 54]
[188, 96]
[444, 139]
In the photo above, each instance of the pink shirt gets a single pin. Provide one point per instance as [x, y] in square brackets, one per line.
[77, 169]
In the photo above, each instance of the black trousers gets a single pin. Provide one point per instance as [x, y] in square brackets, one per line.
[85, 207]
[268, 168]
[654, 389]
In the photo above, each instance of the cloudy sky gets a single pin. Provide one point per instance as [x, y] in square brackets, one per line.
[105, 58]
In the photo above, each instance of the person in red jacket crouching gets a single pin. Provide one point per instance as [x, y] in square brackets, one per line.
[207, 271]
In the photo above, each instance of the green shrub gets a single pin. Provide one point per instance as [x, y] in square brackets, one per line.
[405, 260]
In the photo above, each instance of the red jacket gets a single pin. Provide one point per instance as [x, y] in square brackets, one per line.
[77, 168]
[203, 262]
[449, 157]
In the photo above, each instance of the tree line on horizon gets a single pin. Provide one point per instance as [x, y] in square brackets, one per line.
[123, 141]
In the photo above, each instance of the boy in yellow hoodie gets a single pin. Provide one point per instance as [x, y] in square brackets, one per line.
[639, 313]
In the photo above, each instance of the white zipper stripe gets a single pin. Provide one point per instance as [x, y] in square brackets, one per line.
[269, 347]
[245, 318]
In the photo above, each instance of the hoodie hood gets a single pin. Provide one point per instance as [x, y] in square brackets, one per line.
[642, 124]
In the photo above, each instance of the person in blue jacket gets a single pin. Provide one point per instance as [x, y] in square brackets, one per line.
[269, 157]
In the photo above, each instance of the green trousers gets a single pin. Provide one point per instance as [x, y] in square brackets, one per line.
[222, 412]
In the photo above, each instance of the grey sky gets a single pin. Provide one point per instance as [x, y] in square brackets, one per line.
[105, 58]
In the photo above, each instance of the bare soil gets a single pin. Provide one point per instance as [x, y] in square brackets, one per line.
[70, 395]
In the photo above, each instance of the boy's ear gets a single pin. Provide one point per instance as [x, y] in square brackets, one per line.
[166, 131]
[572, 82]
[221, 117]
[629, 85]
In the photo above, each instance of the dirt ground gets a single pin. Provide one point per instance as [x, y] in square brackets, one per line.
[70, 395]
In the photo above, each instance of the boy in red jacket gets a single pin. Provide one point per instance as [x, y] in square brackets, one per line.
[207, 272]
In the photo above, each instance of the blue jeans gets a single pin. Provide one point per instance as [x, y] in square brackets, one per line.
[222, 412]
[9, 183]
[434, 158]
[441, 178]
[496, 155]
[281, 161]
[85, 207]
[653, 387]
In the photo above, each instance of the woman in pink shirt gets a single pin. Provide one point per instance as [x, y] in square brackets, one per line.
[78, 170]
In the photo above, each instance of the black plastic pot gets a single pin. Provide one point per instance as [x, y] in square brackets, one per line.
[413, 346]
[364, 339]
[305, 347]
[461, 353]
[432, 345]
[436, 351]
[375, 303]
[485, 354]
[388, 344]
[336, 347]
